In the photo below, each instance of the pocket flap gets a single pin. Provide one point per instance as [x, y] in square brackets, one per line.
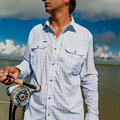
[74, 50]
[38, 45]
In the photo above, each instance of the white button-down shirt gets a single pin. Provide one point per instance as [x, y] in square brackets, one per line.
[60, 66]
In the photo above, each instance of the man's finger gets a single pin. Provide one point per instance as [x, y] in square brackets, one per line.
[5, 81]
[3, 78]
[9, 82]
[7, 70]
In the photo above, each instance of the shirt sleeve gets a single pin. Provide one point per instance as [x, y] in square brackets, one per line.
[25, 66]
[89, 81]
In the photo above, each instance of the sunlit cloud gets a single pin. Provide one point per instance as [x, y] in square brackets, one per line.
[22, 9]
[10, 51]
[102, 55]
[95, 10]
[102, 51]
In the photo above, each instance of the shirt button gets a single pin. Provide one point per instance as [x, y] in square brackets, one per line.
[51, 80]
[52, 63]
[74, 51]
[49, 98]
[53, 34]
[37, 46]
[55, 48]
[48, 114]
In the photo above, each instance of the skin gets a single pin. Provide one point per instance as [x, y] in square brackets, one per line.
[60, 18]
[59, 12]
[9, 70]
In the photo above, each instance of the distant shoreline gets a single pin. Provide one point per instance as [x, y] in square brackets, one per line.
[107, 65]
[9, 60]
[95, 64]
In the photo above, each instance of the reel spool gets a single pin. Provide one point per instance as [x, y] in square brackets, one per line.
[19, 95]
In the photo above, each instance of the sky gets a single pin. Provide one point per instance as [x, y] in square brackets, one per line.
[100, 17]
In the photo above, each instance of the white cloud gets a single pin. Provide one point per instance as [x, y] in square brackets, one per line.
[101, 51]
[90, 9]
[10, 51]
[102, 55]
[22, 9]
[95, 10]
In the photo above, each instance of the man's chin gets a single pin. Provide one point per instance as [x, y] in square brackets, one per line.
[48, 11]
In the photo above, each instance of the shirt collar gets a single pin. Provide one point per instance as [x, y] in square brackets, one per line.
[46, 24]
[71, 25]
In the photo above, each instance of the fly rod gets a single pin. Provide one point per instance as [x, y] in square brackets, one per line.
[21, 82]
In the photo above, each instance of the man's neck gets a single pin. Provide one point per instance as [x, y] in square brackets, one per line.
[59, 22]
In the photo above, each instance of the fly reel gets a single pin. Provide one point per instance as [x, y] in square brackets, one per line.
[19, 94]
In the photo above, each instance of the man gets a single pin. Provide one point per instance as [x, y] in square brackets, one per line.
[59, 56]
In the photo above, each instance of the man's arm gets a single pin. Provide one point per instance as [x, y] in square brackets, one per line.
[89, 81]
[25, 65]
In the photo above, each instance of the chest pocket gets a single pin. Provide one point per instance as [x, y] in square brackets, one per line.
[72, 59]
[38, 53]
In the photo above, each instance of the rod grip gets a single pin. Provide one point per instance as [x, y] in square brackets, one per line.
[37, 88]
[20, 82]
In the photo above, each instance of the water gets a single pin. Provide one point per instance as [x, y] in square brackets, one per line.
[109, 93]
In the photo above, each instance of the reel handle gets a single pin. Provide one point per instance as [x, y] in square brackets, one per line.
[21, 82]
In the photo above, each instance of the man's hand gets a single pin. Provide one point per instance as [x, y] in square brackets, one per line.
[9, 70]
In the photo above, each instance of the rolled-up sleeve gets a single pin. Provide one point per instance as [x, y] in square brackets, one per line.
[89, 81]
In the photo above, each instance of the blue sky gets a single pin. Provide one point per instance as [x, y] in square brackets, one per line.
[102, 18]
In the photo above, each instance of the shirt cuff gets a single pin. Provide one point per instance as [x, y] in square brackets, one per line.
[91, 117]
[22, 72]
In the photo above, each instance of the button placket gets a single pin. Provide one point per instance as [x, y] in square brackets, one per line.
[52, 73]
[50, 85]
[49, 102]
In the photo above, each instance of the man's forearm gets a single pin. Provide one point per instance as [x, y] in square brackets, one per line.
[25, 69]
